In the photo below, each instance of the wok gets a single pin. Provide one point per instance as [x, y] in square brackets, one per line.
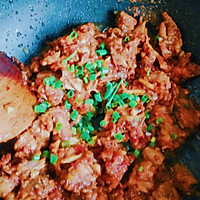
[26, 25]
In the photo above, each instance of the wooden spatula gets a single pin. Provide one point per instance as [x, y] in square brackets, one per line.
[16, 100]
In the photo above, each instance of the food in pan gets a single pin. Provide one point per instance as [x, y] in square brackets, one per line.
[110, 105]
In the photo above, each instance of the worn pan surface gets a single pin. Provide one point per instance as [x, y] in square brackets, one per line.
[26, 25]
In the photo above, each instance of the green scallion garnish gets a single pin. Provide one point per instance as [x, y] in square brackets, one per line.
[92, 77]
[65, 144]
[136, 152]
[73, 35]
[132, 104]
[59, 126]
[102, 52]
[89, 101]
[67, 59]
[104, 70]
[67, 105]
[74, 130]
[144, 98]
[53, 159]
[149, 127]
[74, 115]
[118, 136]
[159, 120]
[85, 79]
[58, 84]
[49, 81]
[174, 136]
[147, 115]
[111, 98]
[115, 116]
[140, 169]
[126, 39]
[45, 153]
[41, 108]
[102, 123]
[36, 157]
[148, 72]
[97, 97]
[102, 45]
[70, 93]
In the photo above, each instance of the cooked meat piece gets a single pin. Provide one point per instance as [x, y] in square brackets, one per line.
[82, 175]
[165, 191]
[170, 40]
[116, 163]
[38, 135]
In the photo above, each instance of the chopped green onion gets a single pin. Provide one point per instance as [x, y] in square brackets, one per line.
[102, 123]
[92, 77]
[132, 97]
[111, 98]
[36, 157]
[85, 136]
[45, 153]
[90, 114]
[118, 136]
[53, 159]
[72, 55]
[136, 152]
[102, 45]
[41, 108]
[149, 127]
[99, 63]
[148, 72]
[74, 130]
[124, 95]
[157, 37]
[59, 126]
[102, 52]
[117, 99]
[126, 84]
[97, 97]
[74, 115]
[101, 77]
[67, 105]
[89, 101]
[90, 127]
[153, 139]
[110, 88]
[159, 120]
[90, 141]
[152, 142]
[144, 98]
[132, 104]
[126, 39]
[73, 35]
[147, 115]
[49, 81]
[115, 116]
[73, 68]
[58, 84]
[65, 144]
[104, 70]
[174, 136]
[85, 80]
[140, 169]
[79, 74]
[70, 93]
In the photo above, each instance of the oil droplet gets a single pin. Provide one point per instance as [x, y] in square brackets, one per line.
[26, 50]
[20, 45]
[37, 37]
[19, 34]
